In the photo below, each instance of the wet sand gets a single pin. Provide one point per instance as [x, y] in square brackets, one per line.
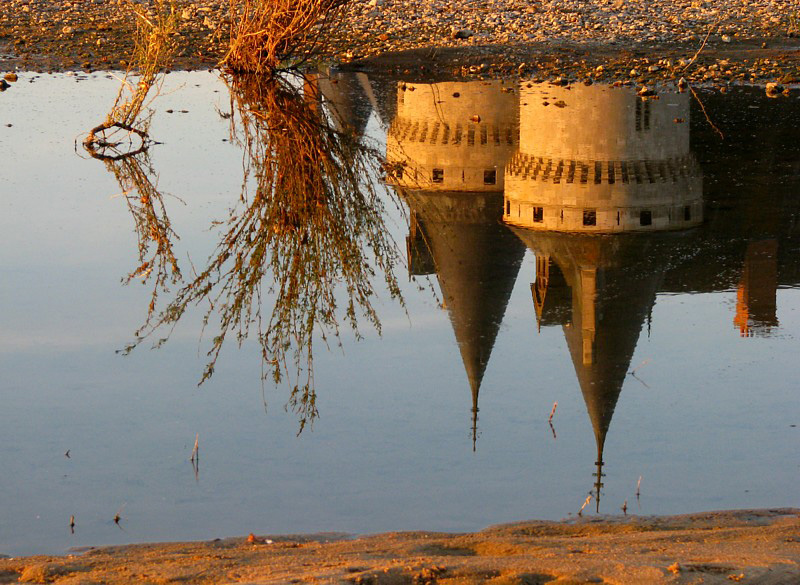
[746, 546]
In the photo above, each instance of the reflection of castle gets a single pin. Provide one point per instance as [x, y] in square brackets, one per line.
[453, 136]
[597, 159]
[447, 147]
[581, 174]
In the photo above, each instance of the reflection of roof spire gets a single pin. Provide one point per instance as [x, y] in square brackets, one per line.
[755, 297]
[539, 287]
[477, 260]
[344, 95]
[475, 389]
[613, 282]
[598, 483]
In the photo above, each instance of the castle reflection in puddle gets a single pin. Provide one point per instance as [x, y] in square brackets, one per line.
[599, 183]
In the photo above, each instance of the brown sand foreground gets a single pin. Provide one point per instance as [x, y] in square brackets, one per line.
[744, 546]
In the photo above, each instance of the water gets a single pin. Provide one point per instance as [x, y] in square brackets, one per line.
[668, 342]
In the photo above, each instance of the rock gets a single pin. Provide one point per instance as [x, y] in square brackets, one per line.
[67, 30]
[726, 39]
[12, 77]
[4, 85]
[476, 118]
[682, 84]
[773, 89]
[463, 33]
[43, 573]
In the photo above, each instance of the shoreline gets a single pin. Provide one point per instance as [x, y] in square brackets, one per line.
[747, 546]
[609, 41]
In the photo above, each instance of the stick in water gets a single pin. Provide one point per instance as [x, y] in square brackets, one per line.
[585, 503]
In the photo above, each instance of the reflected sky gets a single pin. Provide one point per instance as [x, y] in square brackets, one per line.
[441, 423]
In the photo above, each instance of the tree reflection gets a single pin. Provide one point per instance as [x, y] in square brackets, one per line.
[157, 263]
[307, 232]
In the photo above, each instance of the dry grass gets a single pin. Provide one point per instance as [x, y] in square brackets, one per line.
[308, 236]
[155, 47]
[266, 33]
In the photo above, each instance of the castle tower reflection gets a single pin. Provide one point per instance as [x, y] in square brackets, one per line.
[601, 184]
[447, 148]
[596, 159]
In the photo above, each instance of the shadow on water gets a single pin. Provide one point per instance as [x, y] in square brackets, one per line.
[301, 252]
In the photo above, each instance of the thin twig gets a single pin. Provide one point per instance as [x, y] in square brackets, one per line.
[705, 40]
[708, 119]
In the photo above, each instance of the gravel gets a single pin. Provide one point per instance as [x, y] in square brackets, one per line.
[742, 40]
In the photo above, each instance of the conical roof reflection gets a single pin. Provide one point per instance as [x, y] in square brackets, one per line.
[600, 180]
[448, 146]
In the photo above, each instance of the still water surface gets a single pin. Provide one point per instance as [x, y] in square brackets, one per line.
[573, 245]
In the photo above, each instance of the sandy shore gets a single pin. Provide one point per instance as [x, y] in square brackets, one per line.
[752, 546]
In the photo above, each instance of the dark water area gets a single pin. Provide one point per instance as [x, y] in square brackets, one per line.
[580, 292]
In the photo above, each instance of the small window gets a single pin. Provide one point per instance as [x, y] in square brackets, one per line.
[538, 214]
[438, 175]
[687, 213]
[646, 217]
[589, 217]
[508, 208]
[490, 177]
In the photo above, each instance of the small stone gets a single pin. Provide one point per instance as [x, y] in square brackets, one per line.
[67, 30]
[645, 91]
[726, 39]
[674, 568]
[682, 84]
[463, 33]
[12, 77]
[383, 37]
[4, 85]
[773, 89]
[476, 118]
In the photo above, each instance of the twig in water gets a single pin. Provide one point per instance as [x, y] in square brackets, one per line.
[195, 458]
[118, 516]
[196, 449]
[625, 507]
[72, 524]
[585, 503]
[703, 108]
[633, 373]
[552, 412]
[638, 486]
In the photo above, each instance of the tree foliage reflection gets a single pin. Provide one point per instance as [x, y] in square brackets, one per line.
[307, 235]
